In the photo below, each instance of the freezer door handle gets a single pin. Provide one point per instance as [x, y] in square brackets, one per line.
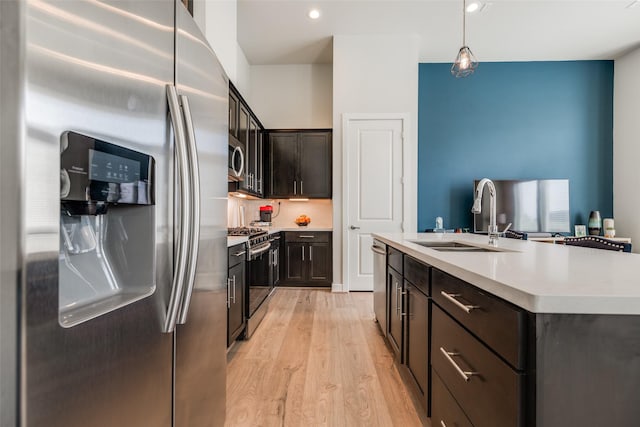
[179, 273]
[194, 232]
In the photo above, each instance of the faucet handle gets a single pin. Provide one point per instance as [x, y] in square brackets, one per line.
[506, 228]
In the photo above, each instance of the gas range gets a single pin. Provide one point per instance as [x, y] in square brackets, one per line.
[246, 231]
[258, 239]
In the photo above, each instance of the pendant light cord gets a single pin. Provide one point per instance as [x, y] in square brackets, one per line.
[464, 16]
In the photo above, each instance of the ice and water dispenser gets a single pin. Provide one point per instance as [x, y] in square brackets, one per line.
[107, 228]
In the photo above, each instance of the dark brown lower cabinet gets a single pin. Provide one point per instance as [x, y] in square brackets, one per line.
[445, 411]
[236, 321]
[394, 297]
[307, 258]
[417, 339]
[488, 389]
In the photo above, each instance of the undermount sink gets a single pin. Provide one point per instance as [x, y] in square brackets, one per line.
[457, 247]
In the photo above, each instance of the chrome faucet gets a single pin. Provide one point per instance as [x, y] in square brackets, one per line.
[477, 208]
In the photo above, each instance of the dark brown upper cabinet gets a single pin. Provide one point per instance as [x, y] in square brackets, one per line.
[298, 164]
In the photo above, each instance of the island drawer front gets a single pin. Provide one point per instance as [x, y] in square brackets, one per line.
[307, 236]
[445, 411]
[500, 324]
[417, 274]
[394, 259]
[493, 395]
[236, 254]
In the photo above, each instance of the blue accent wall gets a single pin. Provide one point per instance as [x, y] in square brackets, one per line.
[514, 120]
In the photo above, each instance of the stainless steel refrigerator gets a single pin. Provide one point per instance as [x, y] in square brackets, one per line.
[113, 158]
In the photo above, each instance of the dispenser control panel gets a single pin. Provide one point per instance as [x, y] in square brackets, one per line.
[95, 171]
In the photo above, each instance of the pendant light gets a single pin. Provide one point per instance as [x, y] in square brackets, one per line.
[465, 63]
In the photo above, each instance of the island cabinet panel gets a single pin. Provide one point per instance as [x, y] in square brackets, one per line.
[445, 411]
[394, 295]
[587, 370]
[498, 323]
[492, 394]
[417, 339]
[395, 259]
[417, 273]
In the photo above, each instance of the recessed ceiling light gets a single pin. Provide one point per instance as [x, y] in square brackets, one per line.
[314, 14]
[473, 6]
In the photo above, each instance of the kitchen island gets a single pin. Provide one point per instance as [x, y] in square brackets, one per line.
[521, 334]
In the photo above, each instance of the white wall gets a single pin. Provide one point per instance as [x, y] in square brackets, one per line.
[293, 96]
[221, 30]
[318, 210]
[373, 74]
[218, 21]
[242, 79]
[626, 147]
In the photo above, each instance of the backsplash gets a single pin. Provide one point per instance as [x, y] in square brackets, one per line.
[320, 211]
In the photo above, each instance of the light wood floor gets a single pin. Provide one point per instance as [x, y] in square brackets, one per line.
[317, 359]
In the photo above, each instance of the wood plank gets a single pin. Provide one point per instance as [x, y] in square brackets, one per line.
[317, 359]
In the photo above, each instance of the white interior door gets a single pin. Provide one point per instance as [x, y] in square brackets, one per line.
[373, 171]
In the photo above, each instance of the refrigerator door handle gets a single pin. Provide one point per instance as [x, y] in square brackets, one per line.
[194, 182]
[179, 273]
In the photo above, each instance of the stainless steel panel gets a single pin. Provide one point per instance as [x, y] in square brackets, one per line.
[380, 284]
[11, 94]
[256, 318]
[200, 371]
[98, 68]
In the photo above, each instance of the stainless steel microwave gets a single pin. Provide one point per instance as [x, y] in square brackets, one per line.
[236, 159]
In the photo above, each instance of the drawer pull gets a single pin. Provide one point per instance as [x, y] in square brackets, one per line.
[442, 423]
[307, 237]
[466, 375]
[239, 253]
[452, 298]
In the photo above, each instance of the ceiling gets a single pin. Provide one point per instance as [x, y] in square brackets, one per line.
[280, 32]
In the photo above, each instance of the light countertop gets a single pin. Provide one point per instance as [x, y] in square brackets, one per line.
[538, 277]
[236, 240]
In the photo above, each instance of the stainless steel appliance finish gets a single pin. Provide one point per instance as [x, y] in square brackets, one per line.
[101, 69]
[380, 284]
[531, 206]
[260, 282]
[236, 163]
[201, 335]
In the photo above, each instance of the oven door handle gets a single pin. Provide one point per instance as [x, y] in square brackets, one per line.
[260, 250]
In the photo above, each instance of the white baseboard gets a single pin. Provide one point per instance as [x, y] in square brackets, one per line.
[338, 287]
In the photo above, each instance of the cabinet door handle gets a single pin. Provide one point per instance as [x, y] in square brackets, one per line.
[301, 187]
[310, 253]
[234, 289]
[303, 253]
[397, 300]
[228, 292]
[466, 375]
[295, 187]
[465, 307]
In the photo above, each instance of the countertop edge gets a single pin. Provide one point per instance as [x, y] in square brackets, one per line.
[535, 303]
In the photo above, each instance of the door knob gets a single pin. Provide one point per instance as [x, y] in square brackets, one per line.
[354, 227]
